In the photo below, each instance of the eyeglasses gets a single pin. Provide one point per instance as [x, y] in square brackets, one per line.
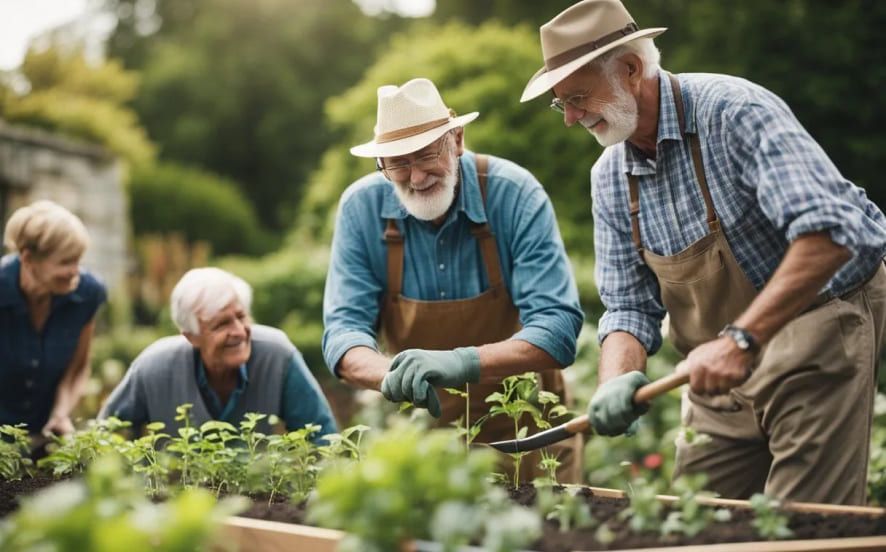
[402, 169]
[576, 101]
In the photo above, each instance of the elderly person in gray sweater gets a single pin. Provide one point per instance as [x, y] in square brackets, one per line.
[221, 363]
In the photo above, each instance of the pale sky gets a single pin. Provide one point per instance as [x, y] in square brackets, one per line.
[21, 20]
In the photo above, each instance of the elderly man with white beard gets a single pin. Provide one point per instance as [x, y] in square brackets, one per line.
[712, 204]
[455, 262]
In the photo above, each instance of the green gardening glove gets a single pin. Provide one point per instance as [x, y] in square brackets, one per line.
[612, 410]
[415, 372]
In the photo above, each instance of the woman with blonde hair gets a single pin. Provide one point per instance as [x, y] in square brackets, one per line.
[47, 317]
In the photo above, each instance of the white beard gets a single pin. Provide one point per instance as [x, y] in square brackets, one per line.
[434, 205]
[620, 116]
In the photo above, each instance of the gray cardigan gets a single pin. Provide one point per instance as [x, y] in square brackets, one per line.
[163, 377]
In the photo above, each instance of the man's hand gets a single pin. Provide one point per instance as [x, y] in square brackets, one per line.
[415, 372]
[717, 366]
[612, 410]
[58, 425]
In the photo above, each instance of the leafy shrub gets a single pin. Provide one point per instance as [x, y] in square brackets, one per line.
[107, 512]
[169, 198]
[410, 478]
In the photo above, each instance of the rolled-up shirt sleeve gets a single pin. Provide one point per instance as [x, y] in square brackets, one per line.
[798, 187]
[353, 292]
[628, 288]
[543, 287]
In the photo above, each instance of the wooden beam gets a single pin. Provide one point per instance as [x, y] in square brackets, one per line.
[257, 535]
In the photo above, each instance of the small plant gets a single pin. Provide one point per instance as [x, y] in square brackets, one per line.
[768, 521]
[568, 509]
[343, 444]
[184, 446]
[106, 511]
[74, 453]
[145, 458]
[689, 517]
[395, 492]
[549, 464]
[515, 402]
[462, 425]
[645, 510]
[15, 448]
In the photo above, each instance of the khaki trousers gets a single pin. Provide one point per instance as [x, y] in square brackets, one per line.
[800, 426]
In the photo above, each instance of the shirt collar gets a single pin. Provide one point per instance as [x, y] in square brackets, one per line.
[668, 124]
[468, 201]
[203, 381]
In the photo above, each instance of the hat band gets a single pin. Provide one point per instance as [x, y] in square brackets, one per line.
[574, 53]
[407, 132]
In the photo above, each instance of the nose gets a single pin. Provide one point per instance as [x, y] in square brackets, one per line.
[572, 114]
[416, 175]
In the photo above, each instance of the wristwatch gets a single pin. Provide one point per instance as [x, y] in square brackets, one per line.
[743, 338]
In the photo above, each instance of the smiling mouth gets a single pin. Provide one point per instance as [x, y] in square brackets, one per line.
[592, 126]
[425, 189]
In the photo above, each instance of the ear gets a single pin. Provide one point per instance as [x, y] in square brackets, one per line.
[458, 135]
[634, 66]
[26, 256]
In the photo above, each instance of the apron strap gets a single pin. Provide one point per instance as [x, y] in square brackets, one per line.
[698, 163]
[484, 235]
[695, 147]
[394, 239]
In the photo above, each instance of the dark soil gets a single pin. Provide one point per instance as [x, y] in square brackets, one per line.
[804, 526]
[10, 491]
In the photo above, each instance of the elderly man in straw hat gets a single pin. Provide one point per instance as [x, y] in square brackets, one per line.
[455, 261]
[713, 204]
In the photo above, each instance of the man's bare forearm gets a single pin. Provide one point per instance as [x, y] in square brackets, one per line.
[510, 357]
[809, 263]
[364, 367]
[621, 353]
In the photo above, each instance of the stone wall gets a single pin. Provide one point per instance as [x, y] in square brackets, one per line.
[85, 178]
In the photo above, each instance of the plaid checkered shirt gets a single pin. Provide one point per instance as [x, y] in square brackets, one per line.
[770, 183]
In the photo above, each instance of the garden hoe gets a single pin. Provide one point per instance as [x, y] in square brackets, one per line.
[582, 424]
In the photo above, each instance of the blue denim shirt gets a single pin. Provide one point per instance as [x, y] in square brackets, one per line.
[31, 363]
[445, 263]
[770, 183]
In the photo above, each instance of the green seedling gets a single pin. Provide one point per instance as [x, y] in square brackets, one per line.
[645, 510]
[145, 458]
[15, 448]
[689, 517]
[74, 453]
[568, 509]
[515, 402]
[462, 425]
[769, 522]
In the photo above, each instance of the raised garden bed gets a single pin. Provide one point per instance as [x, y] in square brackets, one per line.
[816, 527]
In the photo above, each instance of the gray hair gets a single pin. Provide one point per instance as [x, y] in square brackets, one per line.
[202, 293]
[644, 48]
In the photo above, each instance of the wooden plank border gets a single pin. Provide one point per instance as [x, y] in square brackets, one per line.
[255, 535]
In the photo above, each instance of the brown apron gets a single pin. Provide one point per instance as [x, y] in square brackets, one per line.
[487, 318]
[799, 427]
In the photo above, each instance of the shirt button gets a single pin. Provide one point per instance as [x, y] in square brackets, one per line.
[29, 383]
[35, 363]
[26, 404]
[442, 294]
[442, 266]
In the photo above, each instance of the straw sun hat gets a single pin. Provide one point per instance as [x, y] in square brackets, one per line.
[579, 34]
[409, 118]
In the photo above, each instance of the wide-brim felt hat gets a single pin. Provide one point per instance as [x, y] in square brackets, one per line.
[409, 118]
[579, 34]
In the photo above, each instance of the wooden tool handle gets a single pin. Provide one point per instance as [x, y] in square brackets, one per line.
[662, 385]
[644, 394]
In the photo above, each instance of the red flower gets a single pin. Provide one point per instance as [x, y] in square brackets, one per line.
[652, 461]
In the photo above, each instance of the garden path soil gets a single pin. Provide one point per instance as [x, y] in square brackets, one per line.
[804, 525]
